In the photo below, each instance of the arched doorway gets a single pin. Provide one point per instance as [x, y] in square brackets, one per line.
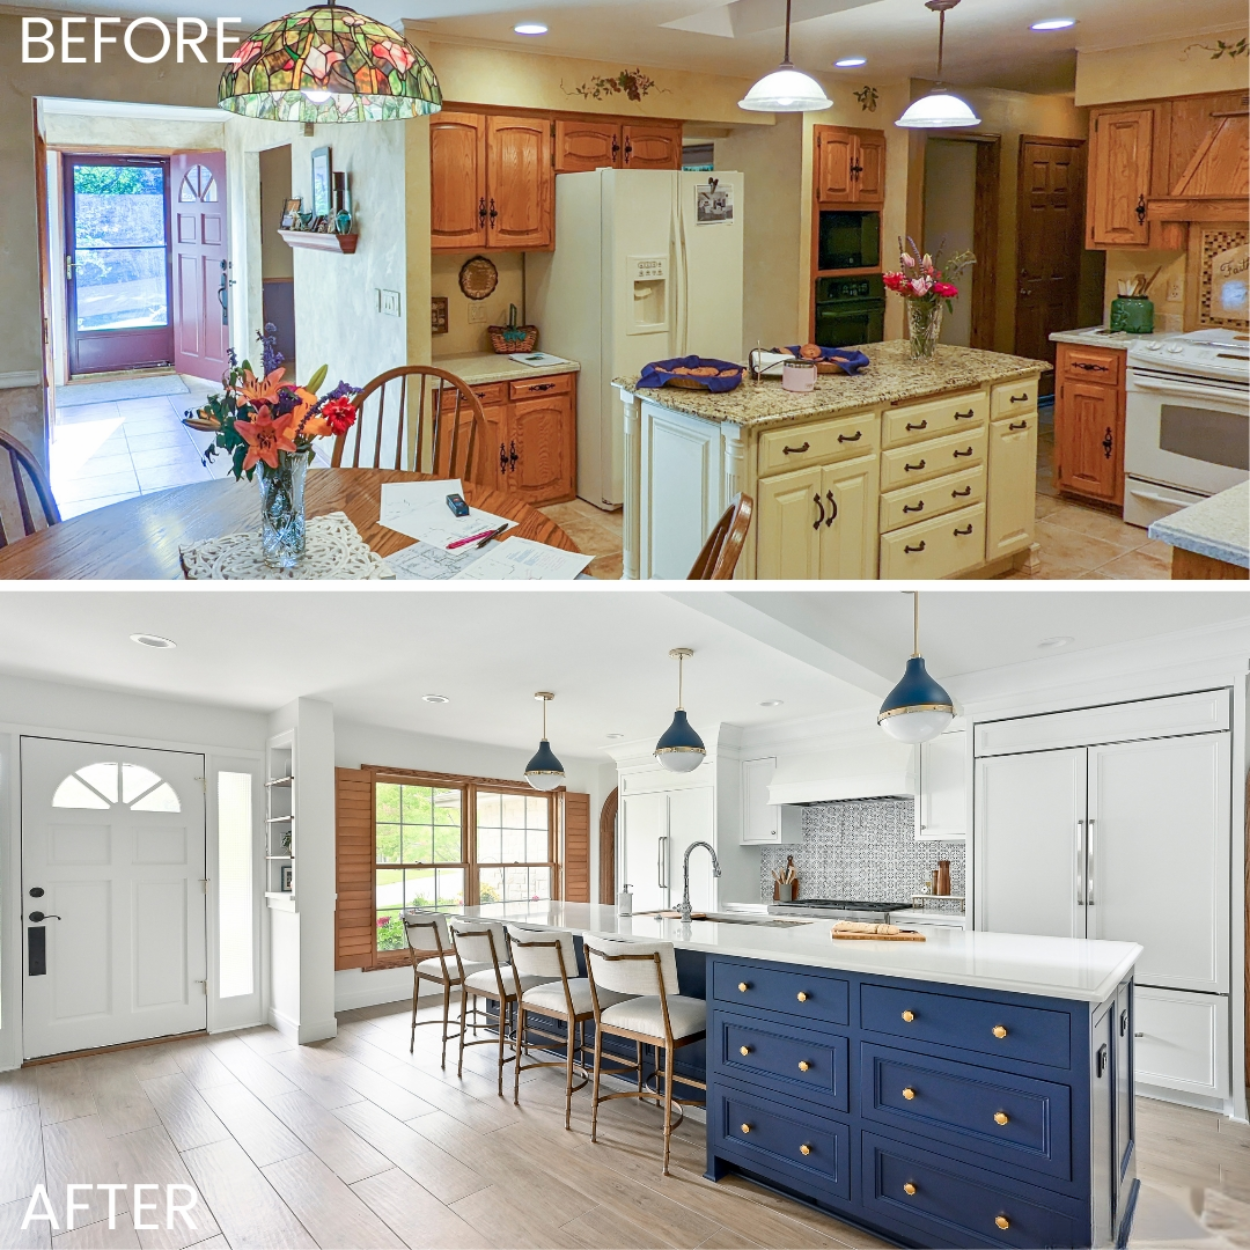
[607, 850]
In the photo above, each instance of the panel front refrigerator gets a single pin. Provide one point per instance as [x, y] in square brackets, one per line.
[640, 272]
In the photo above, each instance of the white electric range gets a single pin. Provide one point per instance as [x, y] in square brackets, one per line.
[1187, 421]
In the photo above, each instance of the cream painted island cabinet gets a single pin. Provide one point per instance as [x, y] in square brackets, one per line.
[909, 469]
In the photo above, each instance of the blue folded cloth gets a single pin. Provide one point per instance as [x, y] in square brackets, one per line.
[847, 360]
[660, 372]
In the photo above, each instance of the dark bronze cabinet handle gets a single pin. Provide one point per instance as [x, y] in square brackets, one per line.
[966, 416]
[957, 453]
[1017, 425]
[856, 170]
[544, 386]
[817, 522]
[512, 456]
[963, 533]
[851, 438]
[493, 212]
[794, 451]
[1107, 444]
[616, 149]
[833, 508]
[503, 458]
[912, 550]
[960, 494]
[924, 425]
[1140, 210]
[913, 468]
[481, 211]
[1081, 364]
[918, 508]
[1020, 399]
[629, 151]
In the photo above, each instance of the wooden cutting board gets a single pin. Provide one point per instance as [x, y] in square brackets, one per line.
[905, 936]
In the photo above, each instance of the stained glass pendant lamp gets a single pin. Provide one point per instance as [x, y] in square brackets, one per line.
[544, 771]
[786, 89]
[680, 749]
[327, 63]
[917, 709]
[939, 109]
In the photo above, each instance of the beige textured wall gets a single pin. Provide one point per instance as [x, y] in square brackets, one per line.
[1154, 71]
[461, 336]
[1169, 313]
[131, 134]
[276, 258]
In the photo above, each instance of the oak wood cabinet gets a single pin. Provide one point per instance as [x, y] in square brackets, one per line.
[650, 146]
[850, 166]
[583, 143]
[457, 181]
[1089, 423]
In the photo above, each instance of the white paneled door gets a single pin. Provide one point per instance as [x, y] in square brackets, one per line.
[113, 868]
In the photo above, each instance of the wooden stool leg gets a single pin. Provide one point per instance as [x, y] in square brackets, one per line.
[638, 1057]
[464, 1002]
[568, 1075]
[412, 1034]
[446, 1013]
[594, 1093]
[503, 1033]
[517, 1043]
[668, 1101]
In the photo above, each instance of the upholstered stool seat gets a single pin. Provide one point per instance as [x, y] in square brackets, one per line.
[686, 1016]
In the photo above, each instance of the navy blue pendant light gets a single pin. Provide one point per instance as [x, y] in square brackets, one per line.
[680, 749]
[544, 771]
[917, 709]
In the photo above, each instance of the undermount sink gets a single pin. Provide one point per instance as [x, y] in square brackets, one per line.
[721, 917]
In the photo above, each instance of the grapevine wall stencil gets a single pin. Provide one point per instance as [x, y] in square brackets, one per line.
[631, 83]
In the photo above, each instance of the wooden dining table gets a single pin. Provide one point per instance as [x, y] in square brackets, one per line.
[140, 538]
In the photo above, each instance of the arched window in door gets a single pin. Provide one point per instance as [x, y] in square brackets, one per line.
[110, 784]
[198, 184]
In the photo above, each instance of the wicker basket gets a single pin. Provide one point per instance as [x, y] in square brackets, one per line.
[512, 338]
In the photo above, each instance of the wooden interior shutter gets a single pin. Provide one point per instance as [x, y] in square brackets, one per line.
[354, 914]
[577, 848]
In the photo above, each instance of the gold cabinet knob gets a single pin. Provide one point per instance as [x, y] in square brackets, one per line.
[805, 1149]
[909, 1189]
[746, 1128]
[909, 1093]
[744, 1050]
[909, 1016]
[801, 996]
[999, 1031]
[742, 987]
[1002, 1221]
[804, 1065]
[1000, 1117]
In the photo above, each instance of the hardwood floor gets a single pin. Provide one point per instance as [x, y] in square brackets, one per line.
[356, 1143]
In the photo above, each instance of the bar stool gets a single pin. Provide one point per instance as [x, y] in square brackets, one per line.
[656, 1014]
[482, 956]
[548, 954]
[434, 960]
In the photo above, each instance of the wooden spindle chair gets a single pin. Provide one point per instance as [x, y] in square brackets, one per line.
[719, 557]
[27, 474]
[443, 418]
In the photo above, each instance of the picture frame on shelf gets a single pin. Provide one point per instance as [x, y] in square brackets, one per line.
[322, 183]
[286, 876]
[291, 214]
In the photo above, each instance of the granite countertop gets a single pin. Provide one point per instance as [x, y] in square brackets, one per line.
[1070, 968]
[480, 368]
[1100, 336]
[1218, 527]
[891, 377]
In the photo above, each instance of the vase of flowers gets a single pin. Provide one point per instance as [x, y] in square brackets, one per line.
[925, 285]
[267, 425]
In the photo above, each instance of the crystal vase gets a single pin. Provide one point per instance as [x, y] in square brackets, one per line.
[282, 511]
[926, 327]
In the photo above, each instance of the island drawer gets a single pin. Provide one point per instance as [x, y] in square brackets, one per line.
[808, 1065]
[1006, 1030]
[942, 547]
[795, 993]
[940, 1197]
[1011, 1119]
[811, 1154]
[930, 499]
[1014, 397]
[797, 446]
[918, 462]
[910, 423]
[536, 388]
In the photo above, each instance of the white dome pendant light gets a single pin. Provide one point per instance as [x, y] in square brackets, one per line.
[939, 110]
[544, 771]
[786, 89]
[680, 749]
[917, 709]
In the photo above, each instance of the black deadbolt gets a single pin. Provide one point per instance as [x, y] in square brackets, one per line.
[36, 891]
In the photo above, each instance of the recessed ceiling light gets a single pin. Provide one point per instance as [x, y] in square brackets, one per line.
[614, 736]
[155, 641]
[1054, 23]
[530, 28]
[1049, 644]
[850, 62]
[435, 698]
[772, 702]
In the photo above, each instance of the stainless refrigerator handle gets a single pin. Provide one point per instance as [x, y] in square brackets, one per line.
[1089, 865]
[1080, 863]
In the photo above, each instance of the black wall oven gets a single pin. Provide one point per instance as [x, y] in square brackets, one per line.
[850, 311]
[848, 240]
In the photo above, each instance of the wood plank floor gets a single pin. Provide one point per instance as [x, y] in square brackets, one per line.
[357, 1143]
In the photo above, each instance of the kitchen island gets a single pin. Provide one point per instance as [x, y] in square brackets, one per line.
[975, 1089]
[910, 469]
[1211, 539]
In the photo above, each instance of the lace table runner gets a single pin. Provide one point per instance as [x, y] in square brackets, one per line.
[334, 550]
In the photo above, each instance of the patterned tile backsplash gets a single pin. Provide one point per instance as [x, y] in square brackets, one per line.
[863, 850]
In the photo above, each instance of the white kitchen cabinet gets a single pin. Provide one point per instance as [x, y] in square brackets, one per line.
[644, 827]
[1182, 1041]
[764, 823]
[657, 825]
[943, 791]
[691, 818]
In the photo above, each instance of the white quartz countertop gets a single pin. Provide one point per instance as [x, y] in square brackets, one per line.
[1218, 527]
[1013, 963]
[1101, 336]
[481, 368]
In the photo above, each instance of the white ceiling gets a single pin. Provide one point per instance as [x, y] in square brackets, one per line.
[603, 650]
[989, 43]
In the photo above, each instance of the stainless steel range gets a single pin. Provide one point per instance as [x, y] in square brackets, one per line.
[1187, 421]
[837, 909]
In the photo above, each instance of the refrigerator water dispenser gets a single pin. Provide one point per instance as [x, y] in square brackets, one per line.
[649, 276]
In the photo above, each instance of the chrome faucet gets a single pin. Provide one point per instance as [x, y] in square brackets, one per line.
[685, 874]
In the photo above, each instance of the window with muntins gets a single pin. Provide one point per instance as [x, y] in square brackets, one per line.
[109, 784]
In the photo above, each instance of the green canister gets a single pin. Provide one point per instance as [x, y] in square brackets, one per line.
[1132, 314]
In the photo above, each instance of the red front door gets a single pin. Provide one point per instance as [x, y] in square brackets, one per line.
[117, 262]
[201, 263]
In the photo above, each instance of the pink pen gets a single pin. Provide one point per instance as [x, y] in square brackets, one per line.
[464, 542]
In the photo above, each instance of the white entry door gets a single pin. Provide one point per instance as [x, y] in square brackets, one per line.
[113, 895]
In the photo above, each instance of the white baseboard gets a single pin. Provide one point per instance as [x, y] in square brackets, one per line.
[371, 989]
[11, 381]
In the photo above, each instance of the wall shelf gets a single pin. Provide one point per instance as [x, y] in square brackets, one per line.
[280, 823]
[311, 239]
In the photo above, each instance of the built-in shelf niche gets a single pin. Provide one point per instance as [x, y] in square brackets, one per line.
[280, 837]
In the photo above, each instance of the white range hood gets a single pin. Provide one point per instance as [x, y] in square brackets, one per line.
[874, 769]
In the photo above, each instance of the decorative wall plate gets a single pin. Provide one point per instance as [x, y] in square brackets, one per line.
[478, 277]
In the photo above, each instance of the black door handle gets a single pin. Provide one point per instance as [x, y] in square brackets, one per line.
[833, 508]
[38, 917]
[821, 517]
[1100, 1062]
[1124, 1022]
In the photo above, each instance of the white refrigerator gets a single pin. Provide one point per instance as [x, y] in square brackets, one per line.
[647, 266]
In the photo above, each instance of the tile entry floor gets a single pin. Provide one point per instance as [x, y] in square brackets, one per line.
[356, 1143]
